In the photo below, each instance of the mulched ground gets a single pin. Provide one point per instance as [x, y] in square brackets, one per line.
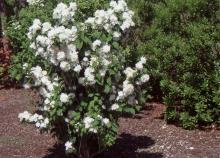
[143, 136]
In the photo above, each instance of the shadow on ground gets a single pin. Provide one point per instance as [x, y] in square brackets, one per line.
[57, 151]
[126, 146]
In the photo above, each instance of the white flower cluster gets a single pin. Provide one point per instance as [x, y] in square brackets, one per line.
[63, 13]
[39, 120]
[88, 123]
[110, 18]
[128, 88]
[45, 44]
[69, 146]
[47, 92]
[47, 86]
[35, 2]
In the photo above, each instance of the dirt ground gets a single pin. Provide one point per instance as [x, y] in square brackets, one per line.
[143, 136]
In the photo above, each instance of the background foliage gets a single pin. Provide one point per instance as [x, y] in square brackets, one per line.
[181, 40]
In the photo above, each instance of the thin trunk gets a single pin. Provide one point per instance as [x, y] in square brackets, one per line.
[84, 148]
[2, 17]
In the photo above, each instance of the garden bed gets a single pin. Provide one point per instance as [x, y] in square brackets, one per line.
[145, 135]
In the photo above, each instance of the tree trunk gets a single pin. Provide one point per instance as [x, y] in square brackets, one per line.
[2, 17]
[84, 148]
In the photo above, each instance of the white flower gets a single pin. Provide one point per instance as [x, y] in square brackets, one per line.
[63, 13]
[50, 87]
[96, 44]
[88, 122]
[81, 80]
[64, 98]
[128, 89]
[47, 101]
[24, 116]
[90, 20]
[114, 107]
[145, 78]
[65, 66]
[129, 72]
[61, 56]
[68, 145]
[106, 48]
[34, 28]
[67, 120]
[116, 34]
[78, 68]
[45, 80]
[35, 2]
[106, 121]
[120, 95]
[25, 66]
[143, 60]
[52, 104]
[46, 27]
[93, 130]
[33, 46]
[27, 86]
[139, 66]
[37, 71]
[89, 75]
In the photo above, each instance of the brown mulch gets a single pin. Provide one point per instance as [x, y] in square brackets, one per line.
[145, 135]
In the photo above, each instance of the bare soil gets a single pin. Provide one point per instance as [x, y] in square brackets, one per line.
[145, 135]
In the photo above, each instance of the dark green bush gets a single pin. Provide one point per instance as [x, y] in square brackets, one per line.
[181, 40]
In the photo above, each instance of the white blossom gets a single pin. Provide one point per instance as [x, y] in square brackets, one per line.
[106, 48]
[78, 68]
[65, 66]
[128, 89]
[145, 78]
[96, 44]
[64, 98]
[129, 72]
[68, 145]
[24, 116]
[35, 2]
[106, 121]
[115, 107]
[88, 122]
[61, 56]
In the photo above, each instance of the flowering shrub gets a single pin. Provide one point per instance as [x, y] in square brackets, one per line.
[87, 82]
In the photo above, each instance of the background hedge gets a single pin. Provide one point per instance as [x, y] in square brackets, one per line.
[181, 40]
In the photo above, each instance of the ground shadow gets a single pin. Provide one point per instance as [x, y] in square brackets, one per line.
[126, 147]
[57, 151]
[144, 112]
[151, 110]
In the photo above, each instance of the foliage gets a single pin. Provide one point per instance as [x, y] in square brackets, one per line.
[5, 53]
[82, 72]
[181, 42]
[17, 29]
